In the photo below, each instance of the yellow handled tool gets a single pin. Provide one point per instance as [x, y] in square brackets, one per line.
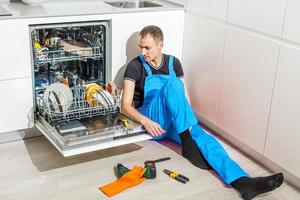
[125, 123]
[175, 175]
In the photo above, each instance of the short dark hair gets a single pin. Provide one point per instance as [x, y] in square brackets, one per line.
[154, 31]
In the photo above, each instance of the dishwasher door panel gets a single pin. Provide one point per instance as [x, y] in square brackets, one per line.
[93, 137]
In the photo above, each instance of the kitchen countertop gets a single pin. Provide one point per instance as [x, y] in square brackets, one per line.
[58, 8]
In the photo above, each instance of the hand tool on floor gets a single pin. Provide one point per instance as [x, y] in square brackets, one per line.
[179, 177]
[150, 167]
[121, 170]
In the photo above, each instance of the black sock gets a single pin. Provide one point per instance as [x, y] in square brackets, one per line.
[251, 187]
[191, 152]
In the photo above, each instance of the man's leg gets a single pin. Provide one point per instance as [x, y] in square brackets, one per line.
[171, 107]
[190, 149]
[172, 104]
[229, 171]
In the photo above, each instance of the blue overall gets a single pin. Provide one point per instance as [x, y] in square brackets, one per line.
[166, 104]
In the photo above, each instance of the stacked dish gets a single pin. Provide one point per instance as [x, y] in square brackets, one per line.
[97, 96]
[58, 97]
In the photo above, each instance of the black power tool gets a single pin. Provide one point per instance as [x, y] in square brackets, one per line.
[150, 172]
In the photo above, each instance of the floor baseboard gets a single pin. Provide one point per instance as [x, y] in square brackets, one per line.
[19, 135]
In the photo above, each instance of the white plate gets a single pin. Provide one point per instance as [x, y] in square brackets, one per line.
[104, 98]
[58, 97]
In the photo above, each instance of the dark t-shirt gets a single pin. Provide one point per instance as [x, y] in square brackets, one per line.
[136, 72]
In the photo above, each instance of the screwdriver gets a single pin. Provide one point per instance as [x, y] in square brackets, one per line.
[125, 124]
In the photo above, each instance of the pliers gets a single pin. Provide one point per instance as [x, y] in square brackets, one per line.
[179, 177]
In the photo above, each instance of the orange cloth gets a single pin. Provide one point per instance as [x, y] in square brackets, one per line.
[128, 180]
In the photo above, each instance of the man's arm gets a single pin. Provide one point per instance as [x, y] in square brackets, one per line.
[127, 109]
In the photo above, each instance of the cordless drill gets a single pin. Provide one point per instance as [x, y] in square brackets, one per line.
[150, 172]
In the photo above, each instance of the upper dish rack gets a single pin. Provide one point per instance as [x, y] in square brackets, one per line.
[79, 108]
[44, 55]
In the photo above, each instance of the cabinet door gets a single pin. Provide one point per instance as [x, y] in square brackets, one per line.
[15, 49]
[16, 104]
[125, 29]
[262, 15]
[202, 62]
[249, 67]
[283, 136]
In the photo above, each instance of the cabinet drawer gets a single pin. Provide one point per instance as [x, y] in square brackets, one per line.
[16, 104]
[15, 50]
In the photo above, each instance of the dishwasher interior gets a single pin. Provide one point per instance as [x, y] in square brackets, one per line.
[76, 106]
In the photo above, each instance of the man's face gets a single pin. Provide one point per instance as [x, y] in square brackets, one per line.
[150, 48]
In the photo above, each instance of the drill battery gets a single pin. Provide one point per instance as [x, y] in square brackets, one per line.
[150, 172]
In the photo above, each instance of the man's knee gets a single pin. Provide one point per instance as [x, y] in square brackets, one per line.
[174, 85]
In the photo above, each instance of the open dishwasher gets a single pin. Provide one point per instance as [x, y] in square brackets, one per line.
[76, 106]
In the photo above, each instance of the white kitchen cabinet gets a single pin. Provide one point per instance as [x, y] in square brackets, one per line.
[291, 27]
[202, 63]
[210, 8]
[16, 104]
[249, 67]
[14, 43]
[283, 136]
[125, 28]
[262, 15]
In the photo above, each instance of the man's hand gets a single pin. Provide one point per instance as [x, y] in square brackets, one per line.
[152, 127]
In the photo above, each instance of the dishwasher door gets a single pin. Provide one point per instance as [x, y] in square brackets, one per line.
[91, 134]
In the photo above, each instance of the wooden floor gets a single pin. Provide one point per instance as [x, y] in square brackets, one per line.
[33, 170]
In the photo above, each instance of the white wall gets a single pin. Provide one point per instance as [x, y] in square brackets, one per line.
[242, 66]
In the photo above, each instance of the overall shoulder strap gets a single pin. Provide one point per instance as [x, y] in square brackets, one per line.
[146, 66]
[171, 67]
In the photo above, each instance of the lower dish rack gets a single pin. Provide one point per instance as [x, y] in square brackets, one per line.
[78, 108]
[82, 127]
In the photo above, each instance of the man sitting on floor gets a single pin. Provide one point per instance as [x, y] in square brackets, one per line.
[154, 83]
